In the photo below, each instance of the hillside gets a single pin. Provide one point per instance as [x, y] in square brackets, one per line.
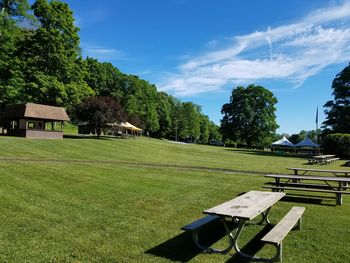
[114, 200]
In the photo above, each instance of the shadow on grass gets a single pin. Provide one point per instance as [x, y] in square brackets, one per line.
[81, 136]
[346, 164]
[265, 153]
[307, 199]
[252, 247]
[182, 248]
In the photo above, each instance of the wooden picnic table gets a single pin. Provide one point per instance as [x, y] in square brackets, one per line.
[323, 159]
[332, 184]
[242, 210]
[306, 170]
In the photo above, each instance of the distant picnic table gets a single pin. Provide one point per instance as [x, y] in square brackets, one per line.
[295, 182]
[323, 159]
[303, 171]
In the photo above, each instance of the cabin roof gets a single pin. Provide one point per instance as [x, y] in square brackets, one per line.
[35, 111]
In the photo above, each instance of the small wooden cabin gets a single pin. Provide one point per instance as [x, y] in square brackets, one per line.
[32, 120]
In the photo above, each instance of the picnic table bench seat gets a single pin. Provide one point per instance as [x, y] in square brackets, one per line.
[298, 184]
[277, 234]
[332, 160]
[195, 226]
[338, 193]
[293, 182]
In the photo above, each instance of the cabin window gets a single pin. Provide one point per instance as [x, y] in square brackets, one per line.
[40, 125]
[31, 125]
[14, 125]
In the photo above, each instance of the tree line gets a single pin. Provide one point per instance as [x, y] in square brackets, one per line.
[41, 62]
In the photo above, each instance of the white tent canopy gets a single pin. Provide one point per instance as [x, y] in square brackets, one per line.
[307, 142]
[284, 142]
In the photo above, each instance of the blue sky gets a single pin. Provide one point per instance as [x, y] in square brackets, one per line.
[199, 50]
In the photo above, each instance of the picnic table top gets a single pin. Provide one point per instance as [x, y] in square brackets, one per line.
[310, 177]
[318, 170]
[324, 156]
[247, 206]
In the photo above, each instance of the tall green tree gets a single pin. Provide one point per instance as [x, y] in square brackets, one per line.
[15, 9]
[164, 114]
[214, 132]
[249, 117]
[338, 110]
[140, 99]
[187, 120]
[12, 34]
[204, 129]
[104, 78]
[52, 54]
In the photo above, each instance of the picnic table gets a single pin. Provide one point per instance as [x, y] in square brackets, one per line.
[323, 159]
[242, 210]
[331, 184]
[306, 170]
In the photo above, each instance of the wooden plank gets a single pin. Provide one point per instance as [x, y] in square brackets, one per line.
[319, 170]
[200, 222]
[310, 177]
[246, 206]
[312, 185]
[280, 231]
[306, 189]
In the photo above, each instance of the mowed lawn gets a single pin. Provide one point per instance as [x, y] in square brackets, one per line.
[114, 200]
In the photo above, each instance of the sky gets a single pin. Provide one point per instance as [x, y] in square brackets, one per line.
[199, 50]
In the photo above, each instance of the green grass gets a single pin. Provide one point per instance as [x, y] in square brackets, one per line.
[114, 200]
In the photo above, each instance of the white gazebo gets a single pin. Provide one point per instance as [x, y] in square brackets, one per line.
[284, 142]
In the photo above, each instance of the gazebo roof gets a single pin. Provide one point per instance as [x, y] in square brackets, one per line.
[35, 111]
[307, 142]
[283, 142]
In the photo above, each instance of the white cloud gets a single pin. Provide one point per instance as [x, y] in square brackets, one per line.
[102, 53]
[289, 52]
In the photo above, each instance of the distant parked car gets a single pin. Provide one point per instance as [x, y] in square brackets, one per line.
[216, 143]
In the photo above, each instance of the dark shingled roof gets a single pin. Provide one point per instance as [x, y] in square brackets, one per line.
[35, 111]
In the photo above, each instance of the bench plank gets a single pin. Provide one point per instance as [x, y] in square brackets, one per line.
[306, 189]
[279, 232]
[319, 170]
[310, 177]
[200, 222]
[312, 186]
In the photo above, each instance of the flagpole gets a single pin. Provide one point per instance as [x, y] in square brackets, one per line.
[317, 124]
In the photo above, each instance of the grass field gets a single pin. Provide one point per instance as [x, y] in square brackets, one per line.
[115, 200]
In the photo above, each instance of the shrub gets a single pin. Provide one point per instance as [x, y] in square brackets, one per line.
[230, 143]
[338, 144]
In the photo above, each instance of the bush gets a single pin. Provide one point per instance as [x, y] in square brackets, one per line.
[338, 144]
[230, 143]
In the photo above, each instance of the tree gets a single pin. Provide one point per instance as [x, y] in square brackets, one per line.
[11, 40]
[140, 99]
[249, 117]
[338, 110]
[99, 111]
[214, 132]
[164, 114]
[104, 78]
[15, 9]
[54, 71]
